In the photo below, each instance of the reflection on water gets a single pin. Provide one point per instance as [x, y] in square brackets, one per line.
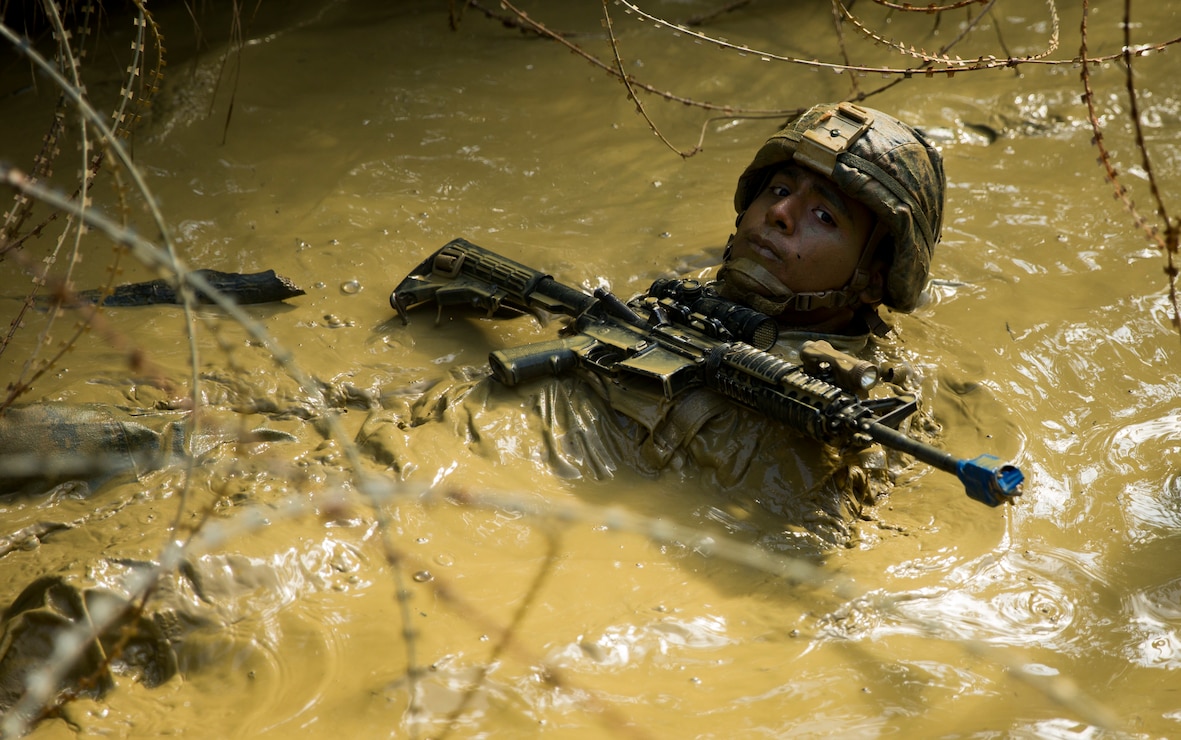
[1154, 616]
[363, 136]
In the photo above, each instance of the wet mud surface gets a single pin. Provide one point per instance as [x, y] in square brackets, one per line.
[371, 540]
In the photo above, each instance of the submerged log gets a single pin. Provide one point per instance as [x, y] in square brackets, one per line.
[258, 287]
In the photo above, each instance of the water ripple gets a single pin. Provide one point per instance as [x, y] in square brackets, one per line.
[1008, 601]
[1154, 616]
[621, 645]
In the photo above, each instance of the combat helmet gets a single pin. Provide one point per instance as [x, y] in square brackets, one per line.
[879, 161]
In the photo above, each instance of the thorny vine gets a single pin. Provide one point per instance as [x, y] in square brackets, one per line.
[1166, 241]
[1163, 233]
[101, 142]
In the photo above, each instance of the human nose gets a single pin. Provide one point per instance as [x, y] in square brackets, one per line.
[783, 213]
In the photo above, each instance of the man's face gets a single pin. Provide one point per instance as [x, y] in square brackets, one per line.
[804, 231]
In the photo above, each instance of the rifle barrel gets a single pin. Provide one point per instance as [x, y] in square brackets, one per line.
[985, 478]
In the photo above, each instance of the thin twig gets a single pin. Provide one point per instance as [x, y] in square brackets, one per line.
[631, 92]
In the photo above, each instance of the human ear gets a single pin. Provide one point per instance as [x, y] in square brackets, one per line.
[875, 292]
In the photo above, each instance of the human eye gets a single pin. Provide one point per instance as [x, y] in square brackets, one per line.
[779, 190]
[825, 217]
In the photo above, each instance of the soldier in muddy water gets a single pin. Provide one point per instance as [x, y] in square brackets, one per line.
[838, 214]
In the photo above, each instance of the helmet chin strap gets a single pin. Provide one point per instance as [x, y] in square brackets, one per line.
[748, 282]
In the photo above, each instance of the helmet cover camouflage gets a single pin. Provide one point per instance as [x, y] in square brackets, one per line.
[887, 165]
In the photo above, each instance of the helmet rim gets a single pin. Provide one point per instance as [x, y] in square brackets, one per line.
[890, 167]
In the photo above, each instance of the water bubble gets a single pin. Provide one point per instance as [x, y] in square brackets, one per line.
[350, 287]
[423, 576]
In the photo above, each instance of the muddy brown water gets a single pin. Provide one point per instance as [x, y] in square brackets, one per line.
[364, 136]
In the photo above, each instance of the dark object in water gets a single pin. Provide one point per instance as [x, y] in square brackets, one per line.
[51, 608]
[46, 444]
[258, 287]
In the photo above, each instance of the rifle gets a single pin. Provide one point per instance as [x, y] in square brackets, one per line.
[682, 335]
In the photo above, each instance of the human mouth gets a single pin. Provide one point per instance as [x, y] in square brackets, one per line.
[765, 249]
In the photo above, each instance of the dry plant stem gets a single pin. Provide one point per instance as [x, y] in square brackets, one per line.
[929, 9]
[69, 648]
[631, 93]
[382, 494]
[606, 714]
[111, 138]
[611, 70]
[794, 572]
[42, 169]
[162, 259]
[946, 64]
[506, 21]
[92, 320]
[409, 634]
[68, 61]
[210, 533]
[454, 14]
[956, 64]
[1000, 37]
[1168, 241]
[702, 19]
[1171, 225]
[765, 55]
[970, 26]
[141, 77]
[38, 694]
[839, 27]
[40, 685]
[974, 22]
[73, 91]
[553, 542]
[238, 43]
